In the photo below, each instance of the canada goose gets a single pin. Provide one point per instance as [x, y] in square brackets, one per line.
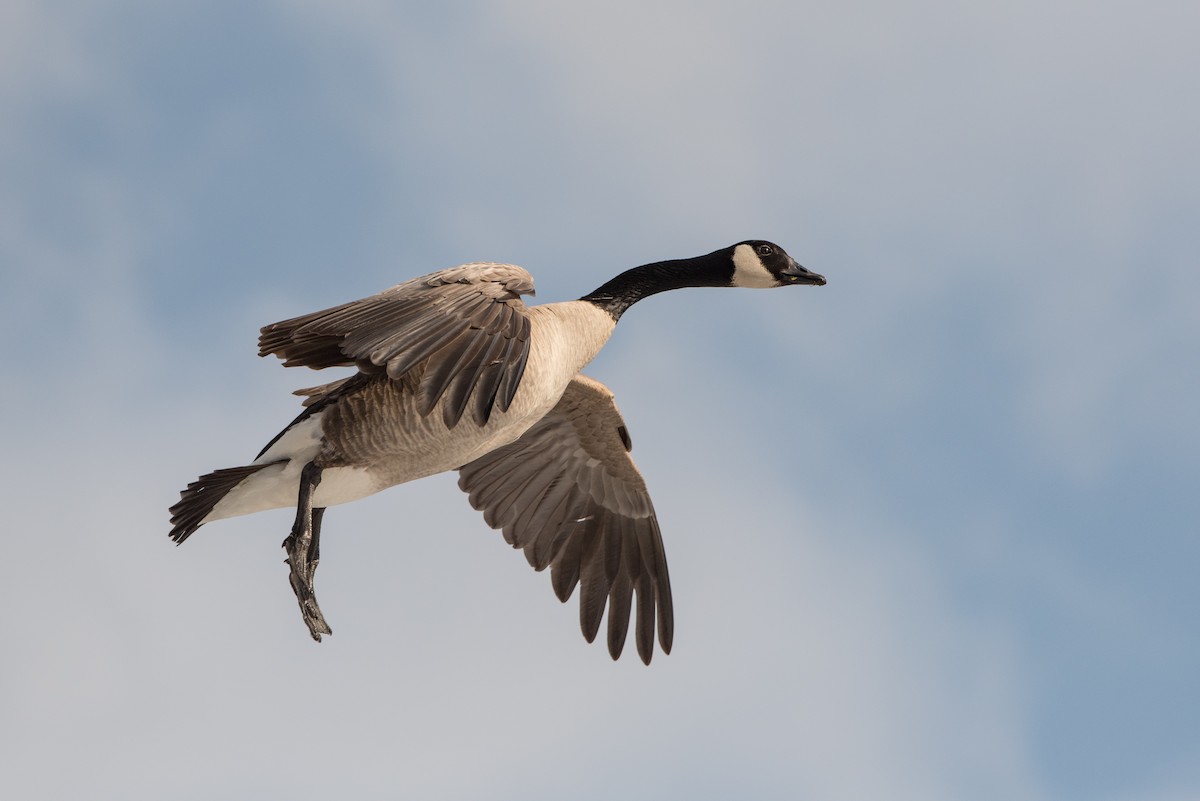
[542, 451]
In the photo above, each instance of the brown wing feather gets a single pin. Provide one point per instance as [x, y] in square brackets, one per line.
[467, 326]
[569, 495]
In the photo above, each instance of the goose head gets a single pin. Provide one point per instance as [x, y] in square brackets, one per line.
[764, 265]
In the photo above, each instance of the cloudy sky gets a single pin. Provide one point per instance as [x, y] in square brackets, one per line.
[932, 528]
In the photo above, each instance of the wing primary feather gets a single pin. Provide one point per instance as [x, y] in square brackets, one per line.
[644, 628]
[594, 586]
[610, 540]
[662, 584]
[619, 600]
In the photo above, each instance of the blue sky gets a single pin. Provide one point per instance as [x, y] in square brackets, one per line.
[932, 527]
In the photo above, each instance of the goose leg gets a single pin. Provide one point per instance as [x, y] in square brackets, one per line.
[303, 547]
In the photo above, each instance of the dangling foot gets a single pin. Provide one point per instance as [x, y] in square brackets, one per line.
[303, 547]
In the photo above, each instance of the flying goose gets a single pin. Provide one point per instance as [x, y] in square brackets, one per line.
[455, 372]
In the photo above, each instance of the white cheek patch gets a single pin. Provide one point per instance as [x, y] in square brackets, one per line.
[748, 269]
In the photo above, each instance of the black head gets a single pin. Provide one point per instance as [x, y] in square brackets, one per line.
[764, 265]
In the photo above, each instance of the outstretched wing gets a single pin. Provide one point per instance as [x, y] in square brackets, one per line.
[463, 331]
[568, 493]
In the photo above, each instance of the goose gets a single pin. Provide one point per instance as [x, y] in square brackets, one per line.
[455, 372]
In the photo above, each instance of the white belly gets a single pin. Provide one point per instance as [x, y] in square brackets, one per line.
[277, 485]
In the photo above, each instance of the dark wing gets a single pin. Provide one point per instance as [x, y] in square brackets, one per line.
[569, 495]
[460, 330]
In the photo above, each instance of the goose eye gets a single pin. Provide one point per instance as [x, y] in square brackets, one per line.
[764, 250]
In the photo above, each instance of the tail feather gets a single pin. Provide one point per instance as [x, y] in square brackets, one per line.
[198, 500]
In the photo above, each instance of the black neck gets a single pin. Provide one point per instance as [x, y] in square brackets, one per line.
[714, 269]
